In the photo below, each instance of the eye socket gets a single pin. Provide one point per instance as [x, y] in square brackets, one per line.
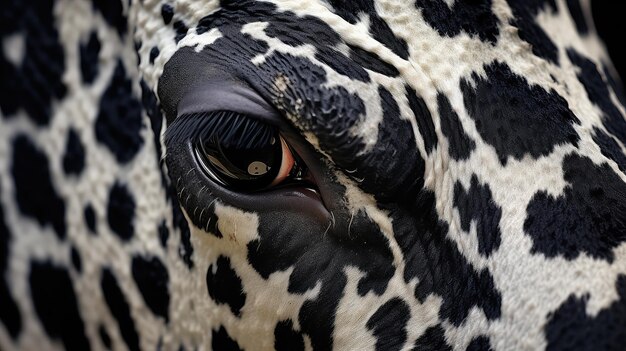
[245, 154]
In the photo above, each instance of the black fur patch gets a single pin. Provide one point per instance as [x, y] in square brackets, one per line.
[472, 17]
[439, 266]
[576, 11]
[104, 337]
[388, 324]
[570, 327]
[479, 343]
[433, 339]
[589, 217]
[525, 12]
[342, 64]
[380, 30]
[154, 53]
[90, 218]
[167, 12]
[77, 263]
[152, 279]
[185, 251]
[151, 106]
[181, 30]
[121, 212]
[164, 234]
[516, 118]
[372, 62]
[476, 204]
[120, 309]
[37, 81]
[460, 145]
[56, 306]
[384, 176]
[610, 148]
[616, 83]
[74, 157]
[224, 285]
[119, 121]
[34, 192]
[113, 13]
[89, 53]
[287, 339]
[222, 341]
[598, 92]
[424, 119]
[9, 312]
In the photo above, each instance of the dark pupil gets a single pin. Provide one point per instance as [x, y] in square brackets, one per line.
[241, 152]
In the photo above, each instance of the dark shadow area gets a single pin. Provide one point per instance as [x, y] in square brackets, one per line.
[611, 26]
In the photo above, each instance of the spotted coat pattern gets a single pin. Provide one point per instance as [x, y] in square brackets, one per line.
[469, 158]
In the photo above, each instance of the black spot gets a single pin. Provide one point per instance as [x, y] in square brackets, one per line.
[222, 341]
[76, 261]
[56, 305]
[34, 192]
[589, 217]
[224, 285]
[89, 53]
[104, 337]
[152, 280]
[74, 157]
[610, 148]
[34, 83]
[372, 62]
[476, 204]
[90, 218]
[378, 171]
[479, 343]
[9, 312]
[516, 118]
[185, 250]
[287, 339]
[424, 119]
[164, 234]
[181, 30]
[439, 267]
[120, 309]
[119, 122]
[137, 44]
[576, 11]
[290, 29]
[525, 12]
[472, 17]
[113, 13]
[154, 53]
[383, 34]
[151, 106]
[598, 92]
[341, 64]
[121, 212]
[571, 328]
[460, 145]
[167, 12]
[388, 324]
[380, 30]
[433, 339]
[616, 83]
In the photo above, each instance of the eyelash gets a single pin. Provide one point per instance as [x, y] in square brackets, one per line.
[236, 131]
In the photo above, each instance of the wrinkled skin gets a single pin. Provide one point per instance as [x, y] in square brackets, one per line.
[468, 162]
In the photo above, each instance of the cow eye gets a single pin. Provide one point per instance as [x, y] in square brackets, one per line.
[243, 153]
